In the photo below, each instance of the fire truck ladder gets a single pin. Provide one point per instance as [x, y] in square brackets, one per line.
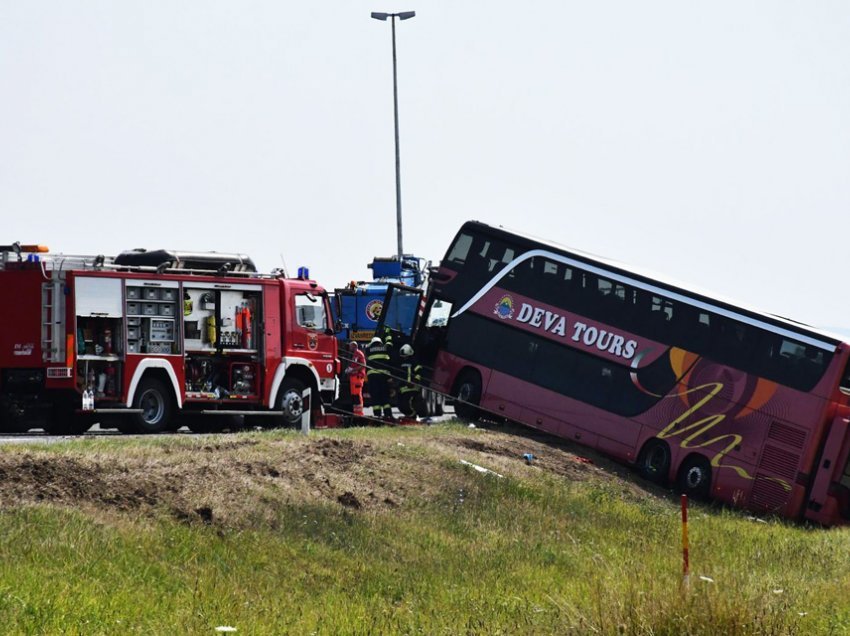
[52, 322]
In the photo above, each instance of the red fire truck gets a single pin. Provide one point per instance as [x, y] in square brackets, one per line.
[149, 341]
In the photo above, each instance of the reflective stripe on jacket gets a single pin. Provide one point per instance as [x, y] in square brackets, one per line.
[378, 359]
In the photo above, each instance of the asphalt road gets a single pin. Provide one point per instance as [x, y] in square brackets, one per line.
[36, 436]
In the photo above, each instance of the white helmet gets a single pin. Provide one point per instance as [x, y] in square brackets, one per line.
[406, 351]
[375, 340]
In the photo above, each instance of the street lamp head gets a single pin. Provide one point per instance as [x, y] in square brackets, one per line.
[404, 15]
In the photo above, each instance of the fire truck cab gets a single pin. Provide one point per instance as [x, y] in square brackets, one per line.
[151, 341]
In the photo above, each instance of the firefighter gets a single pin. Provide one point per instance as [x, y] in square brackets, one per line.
[409, 396]
[378, 362]
[356, 373]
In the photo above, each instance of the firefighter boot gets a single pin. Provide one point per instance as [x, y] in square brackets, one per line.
[388, 415]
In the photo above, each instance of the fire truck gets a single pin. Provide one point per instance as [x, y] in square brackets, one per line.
[148, 341]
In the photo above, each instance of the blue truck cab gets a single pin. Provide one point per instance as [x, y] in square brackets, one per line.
[357, 307]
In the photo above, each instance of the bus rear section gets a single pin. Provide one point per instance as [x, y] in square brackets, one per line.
[721, 401]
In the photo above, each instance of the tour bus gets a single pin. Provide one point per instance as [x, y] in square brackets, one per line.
[723, 401]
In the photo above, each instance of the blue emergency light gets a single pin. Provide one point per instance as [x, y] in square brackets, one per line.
[303, 273]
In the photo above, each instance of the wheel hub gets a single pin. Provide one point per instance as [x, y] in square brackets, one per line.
[152, 407]
[293, 405]
[694, 477]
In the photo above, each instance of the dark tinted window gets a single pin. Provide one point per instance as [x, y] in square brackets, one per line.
[691, 329]
[789, 361]
[460, 249]
[734, 343]
[491, 344]
[558, 367]
[652, 316]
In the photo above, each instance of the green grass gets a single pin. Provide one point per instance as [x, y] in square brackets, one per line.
[534, 555]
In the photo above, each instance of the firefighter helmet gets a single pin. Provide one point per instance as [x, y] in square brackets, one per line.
[375, 340]
[406, 351]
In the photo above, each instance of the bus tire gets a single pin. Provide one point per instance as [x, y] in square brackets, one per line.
[154, 400]
[694, 477]
[653, 462]
[467, 394]
[290, 402]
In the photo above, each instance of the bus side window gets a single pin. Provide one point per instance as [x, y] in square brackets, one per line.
[811, 366]
[570, 288]
[582, 300]
[734, 343]
[527, 279]
[460, 250]
[551, 289]
[476, 262]
[652, 316]
[506, 257]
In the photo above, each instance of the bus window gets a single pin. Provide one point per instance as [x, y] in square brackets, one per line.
[811, 366]
[527, 279]
[691, 329]
[550, 268]
[734, 343]
[460, 249]
[497, 261]
[472, 337]
[551, 288]
[652, 316]
[439, 315]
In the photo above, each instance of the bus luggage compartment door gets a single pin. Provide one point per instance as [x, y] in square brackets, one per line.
[822, 506]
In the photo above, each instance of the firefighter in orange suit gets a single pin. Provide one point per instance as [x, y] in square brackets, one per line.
[356, 373]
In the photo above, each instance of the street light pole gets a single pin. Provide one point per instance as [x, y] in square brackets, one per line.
[405, 15]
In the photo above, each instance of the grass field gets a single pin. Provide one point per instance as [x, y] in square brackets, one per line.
[562, 546]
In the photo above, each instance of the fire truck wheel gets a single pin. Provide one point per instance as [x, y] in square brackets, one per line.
[153, 398]
[467, 395]
[290, 401]
[653, 462]
[694, 477]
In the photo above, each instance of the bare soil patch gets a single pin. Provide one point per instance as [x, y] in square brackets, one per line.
[242, 480]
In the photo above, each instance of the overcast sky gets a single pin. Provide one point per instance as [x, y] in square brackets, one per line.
[709, 142]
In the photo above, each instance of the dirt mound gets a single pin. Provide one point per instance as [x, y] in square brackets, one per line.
[244, 479]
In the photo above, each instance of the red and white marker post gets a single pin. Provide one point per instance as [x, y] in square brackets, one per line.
[686, 568]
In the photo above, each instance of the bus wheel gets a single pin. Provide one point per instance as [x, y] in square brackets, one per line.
[290, 401]
[467, 395]
[694, 478]
[155, 403]
[653, 463]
